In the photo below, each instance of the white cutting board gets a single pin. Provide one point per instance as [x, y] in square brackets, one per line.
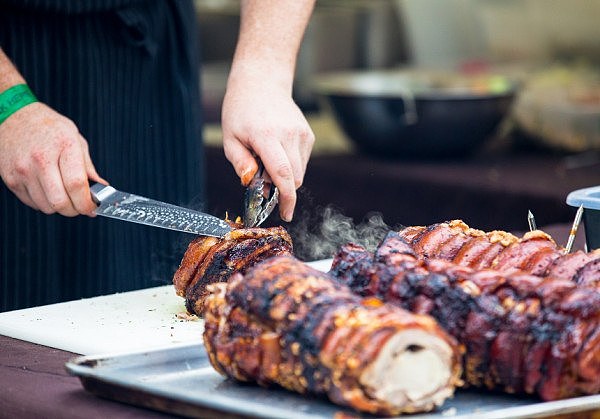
[125, 322]
[118, 323]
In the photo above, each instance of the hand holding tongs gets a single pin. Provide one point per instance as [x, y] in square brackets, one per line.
[260, 198]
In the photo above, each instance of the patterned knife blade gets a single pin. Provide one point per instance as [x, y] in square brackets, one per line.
[138, 209]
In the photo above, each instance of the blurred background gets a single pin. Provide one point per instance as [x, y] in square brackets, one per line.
[430, 110]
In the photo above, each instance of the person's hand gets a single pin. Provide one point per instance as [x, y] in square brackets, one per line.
[45, 161]
[260, 117]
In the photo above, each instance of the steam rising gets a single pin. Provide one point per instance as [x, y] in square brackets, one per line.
[320, 238]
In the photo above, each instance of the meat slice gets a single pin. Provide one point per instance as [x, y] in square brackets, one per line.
[288, 324]
[191, 262]
[430, 241]
[208, 259]
[568, 265]
[589, 274]
[411, 232]
[572, 266]
[522, 333]
[535, 253]
[456, 241]
[476, 252]
[519, 254]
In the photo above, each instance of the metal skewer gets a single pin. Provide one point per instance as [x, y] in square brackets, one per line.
[531, 221]
[574, 228]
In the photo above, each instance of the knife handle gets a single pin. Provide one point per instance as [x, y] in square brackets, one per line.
[101, 192]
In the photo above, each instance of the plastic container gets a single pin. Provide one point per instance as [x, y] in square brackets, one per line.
[590, 199]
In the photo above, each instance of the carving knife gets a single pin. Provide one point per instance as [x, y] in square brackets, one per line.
[138, 209]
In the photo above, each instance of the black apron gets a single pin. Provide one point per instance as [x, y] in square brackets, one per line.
[126, 72]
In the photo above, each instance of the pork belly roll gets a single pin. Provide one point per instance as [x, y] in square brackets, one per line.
[522, 333]
[535, 253]
[209, 259]
[288, 324]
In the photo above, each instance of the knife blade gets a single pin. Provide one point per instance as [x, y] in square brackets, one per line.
[138, 209]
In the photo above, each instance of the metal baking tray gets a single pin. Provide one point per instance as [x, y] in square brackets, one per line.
[181, 381]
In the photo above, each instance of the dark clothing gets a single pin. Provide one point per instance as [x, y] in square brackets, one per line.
[126, 72]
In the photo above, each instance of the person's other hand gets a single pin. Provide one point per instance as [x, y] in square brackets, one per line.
[260, 117]
[45, 161]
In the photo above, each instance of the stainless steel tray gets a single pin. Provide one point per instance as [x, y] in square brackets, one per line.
[181, 381]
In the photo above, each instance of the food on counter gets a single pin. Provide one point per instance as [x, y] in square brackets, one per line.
[535, 253]
[522, 333]
[210, 259]
[187, 317]
[286, 323]
[559, 107]
[529, 325]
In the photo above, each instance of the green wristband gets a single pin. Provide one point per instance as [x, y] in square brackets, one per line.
[13, 99]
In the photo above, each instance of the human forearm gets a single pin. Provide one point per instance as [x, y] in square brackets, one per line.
[259, 116]
[9, 75]
[270, 35]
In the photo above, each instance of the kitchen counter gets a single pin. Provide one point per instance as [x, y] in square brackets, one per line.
[33, 378]
[35, 384]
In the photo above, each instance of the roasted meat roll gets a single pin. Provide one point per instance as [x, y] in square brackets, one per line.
[210, 259]
[535, 253]
[286, 323]
[522, 333]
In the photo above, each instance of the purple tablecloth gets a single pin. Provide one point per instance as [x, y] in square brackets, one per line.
[35, 384]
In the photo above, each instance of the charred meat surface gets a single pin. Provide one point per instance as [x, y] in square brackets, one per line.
[208, 259]
[286, 323]
[535, 253]
[522, 333]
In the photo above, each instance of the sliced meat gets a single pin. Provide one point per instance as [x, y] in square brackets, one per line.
[518, 254]
[209, 260]
[535, 253]
[191, 262]
[589, 274]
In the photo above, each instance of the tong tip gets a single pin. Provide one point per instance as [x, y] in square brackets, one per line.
[260, 198]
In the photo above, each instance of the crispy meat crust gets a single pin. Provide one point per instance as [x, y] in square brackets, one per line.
[208, 260]
[523, 333]
[285, 323]
[535, 253]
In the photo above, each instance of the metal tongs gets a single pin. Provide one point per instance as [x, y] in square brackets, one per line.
[260, 198]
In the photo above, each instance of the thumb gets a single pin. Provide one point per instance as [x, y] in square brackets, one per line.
[92, 174]
[90, 169]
